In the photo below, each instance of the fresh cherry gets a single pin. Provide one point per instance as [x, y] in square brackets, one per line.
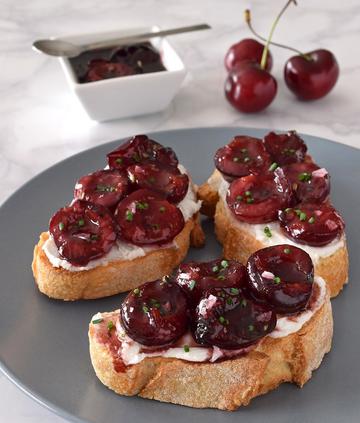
[249, 88]
[312, 75]
[155, 313]
[282, 277]
[246, 50]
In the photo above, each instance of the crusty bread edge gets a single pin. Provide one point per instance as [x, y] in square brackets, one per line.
[227, 384]
[115, 277]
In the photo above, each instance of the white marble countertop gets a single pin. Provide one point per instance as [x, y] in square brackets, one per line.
[42, 123]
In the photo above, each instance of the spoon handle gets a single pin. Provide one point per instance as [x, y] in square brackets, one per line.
[141, 37]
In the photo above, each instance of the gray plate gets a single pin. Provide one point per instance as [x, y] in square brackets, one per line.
[43, 343]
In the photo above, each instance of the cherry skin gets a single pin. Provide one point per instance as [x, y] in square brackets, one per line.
[246, 50]
[249, 89]
[314, 78]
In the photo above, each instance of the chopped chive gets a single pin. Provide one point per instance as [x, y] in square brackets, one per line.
[239, 198]
[287, 250]
[155, 226]
[221, 277]
[234, 291]
[251, 328]
[248, 193]
[266, 327]
[119, 160]
[136, 291]
[162, 209]
[145, 309]
[94, 237]
[215, 269]
[236, 159]
[267, 232]
[61, 226]
[97, 321]
[302, 216]
[312, 219]
[142, 206]
[288, 210]
[192, 284]
[246, 159]
[110, 325]
[277, 280]
[81, 222]
[224, 264]
[273, 167]
[229, 301]
[304, 177]
[136, 157]
[249, 200]
[243, 303]
[244, 150]
[298, 211]
[129, 216]
[222, 319]
[186, 348]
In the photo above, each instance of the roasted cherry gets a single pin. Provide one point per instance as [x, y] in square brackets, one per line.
[312, 224]
[249, 88]
[141, 149]
[145, 217]
[310, 183]
[227, 319]
[82, 232]
[242, 156]
[257, 198]
[312, 75]
[246, 50]
[103, 69]
[195, 278]
[281, 276]
[168, 180]
[285, 148]
[155, 313]
[104, 187]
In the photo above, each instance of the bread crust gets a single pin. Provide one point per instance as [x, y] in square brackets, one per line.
[238, 244]
[115, 277]
[227, 384]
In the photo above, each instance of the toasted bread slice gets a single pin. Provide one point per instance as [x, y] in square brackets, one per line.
[226, 384]
[117, 276]
[239, 244]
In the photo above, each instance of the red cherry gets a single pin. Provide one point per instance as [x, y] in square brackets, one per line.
[249, 88]
[311, 78]
[246, 50]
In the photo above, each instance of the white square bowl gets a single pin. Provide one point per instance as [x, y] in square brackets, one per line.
[127, 95]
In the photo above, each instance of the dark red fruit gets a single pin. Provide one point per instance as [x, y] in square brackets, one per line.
[246, 50]
[313, 78]
[226, 319]
[83, 232]
[166, 180]
[141, 57]
[312, 224]
[282, 277]
[103, 69]
[104, 187]
[195, 278]
[309, 183]
[249, 88]
[285, 148]
[155, 313]
[145, 217]
[141, 149]
[241, 157]
[257, 198]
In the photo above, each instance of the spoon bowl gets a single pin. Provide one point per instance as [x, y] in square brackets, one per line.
[57, 48]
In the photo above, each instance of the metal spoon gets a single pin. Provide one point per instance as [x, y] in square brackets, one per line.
[61, 48]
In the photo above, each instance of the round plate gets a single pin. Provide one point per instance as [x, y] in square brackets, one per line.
[44, 345]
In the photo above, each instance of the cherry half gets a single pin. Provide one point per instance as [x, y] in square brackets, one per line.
[281, 276]
[245, 50]
[312, 75]
[155, 313]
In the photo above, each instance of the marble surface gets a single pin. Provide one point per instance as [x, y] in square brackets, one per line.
[42, 123]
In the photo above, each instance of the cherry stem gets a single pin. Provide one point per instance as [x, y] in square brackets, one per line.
[268, 41]
[273, 43]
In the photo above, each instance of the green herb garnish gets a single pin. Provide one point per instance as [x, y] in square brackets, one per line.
[192, 284]
[186, 348]
[273, 167]
[267, 232]
[81, 222]
[277, 280]
[129, 216]
[251, 328]
[224, 264]
[302, 216]
[234, 291]
[110, 325]
[304, 177]
[97, 321]
[312, 219]
[287, 250]
[145, 309]
[136, 291]
[61, 226]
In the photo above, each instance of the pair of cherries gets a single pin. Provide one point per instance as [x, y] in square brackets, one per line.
[250, 87]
